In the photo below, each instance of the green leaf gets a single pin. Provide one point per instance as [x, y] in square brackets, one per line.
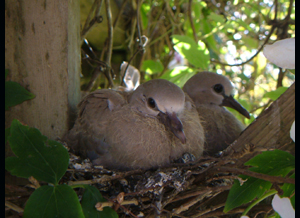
[242, 194]
[15, 94]
[145, 8]
[274, 163]
[196, 54]
[36, 155]
[179, 75]
[53, 201]
[216, 17]
[288, 190]
[151, 67]
[276, 93]
[89, 199]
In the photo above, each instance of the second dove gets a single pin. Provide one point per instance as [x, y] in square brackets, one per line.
[210, 92]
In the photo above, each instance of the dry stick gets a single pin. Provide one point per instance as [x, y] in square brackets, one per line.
[14, 207]
[210, 209]
[105, 178]
[266, 177]
[190, 203]
[99, 206]
[202, 191]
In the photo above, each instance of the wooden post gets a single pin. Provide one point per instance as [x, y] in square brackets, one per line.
[42, 53]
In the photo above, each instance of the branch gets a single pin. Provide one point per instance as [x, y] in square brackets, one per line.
[273, 179]
[90, 22]
[14, 207]
[259, 50]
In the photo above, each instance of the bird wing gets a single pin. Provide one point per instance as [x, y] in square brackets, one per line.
[95, 111]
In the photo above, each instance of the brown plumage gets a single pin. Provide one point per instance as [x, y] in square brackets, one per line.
[210, 92]
[146, 128]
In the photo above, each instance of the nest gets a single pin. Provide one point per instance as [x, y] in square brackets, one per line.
[187, 189]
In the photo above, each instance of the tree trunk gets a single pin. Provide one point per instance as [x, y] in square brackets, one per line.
[42, 53]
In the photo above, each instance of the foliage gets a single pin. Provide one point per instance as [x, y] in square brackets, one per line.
[226, 37]
[274, 163]
[47, 160]
[15, 93]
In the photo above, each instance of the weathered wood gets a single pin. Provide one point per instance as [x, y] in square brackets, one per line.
[42, 53]
[271, 130]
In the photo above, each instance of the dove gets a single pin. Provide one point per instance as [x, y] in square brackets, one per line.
[149, 127]
[210, 92]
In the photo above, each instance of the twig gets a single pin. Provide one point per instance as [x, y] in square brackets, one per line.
[190, 203]
[210, 209]
[191, 20]
[100, 205]
[257, 52]
[266, 177]
[120, 13]
[110, 42]
[14, 207]
[105, 178]
[201, 191]
[142, 40]
[90, 22]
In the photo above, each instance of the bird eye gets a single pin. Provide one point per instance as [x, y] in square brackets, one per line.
[151, 103]
[218, 88]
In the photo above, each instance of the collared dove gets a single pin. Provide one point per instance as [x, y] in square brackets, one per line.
[143, 129]
[210, 92]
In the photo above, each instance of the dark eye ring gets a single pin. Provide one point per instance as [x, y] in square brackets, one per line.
[151, 103]
[218, 88]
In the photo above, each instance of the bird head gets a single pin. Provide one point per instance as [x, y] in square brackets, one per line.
[163, 100]
[212, 88]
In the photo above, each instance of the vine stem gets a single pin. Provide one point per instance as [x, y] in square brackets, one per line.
[269, 193]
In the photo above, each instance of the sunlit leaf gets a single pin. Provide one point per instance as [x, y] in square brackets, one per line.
[145, 8]
[273, 95]
[179, 75]
[152, 67]
[216, 17]
[196, 54]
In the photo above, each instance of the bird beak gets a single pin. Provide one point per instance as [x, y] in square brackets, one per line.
[172, 122]
[229, 101]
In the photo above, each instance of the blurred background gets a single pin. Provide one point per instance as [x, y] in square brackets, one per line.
[174, 39]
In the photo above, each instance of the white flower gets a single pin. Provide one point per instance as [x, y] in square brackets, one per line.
[292, 131]
[283, 207]
[281, 53]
